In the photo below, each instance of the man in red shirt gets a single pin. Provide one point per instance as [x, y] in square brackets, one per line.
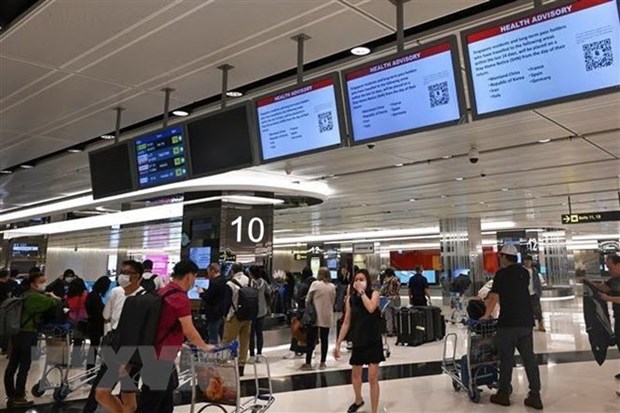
[175, 324]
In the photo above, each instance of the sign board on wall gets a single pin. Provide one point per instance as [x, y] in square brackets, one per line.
[364, 248]
[590, 217]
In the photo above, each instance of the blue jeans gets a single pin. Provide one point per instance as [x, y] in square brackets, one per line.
[213, 331]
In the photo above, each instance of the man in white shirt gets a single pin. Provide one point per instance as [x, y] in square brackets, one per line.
[535, 291]
[129, 285]
[149, 275]
[233, 327]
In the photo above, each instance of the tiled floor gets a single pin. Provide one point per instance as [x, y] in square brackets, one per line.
[570, 384]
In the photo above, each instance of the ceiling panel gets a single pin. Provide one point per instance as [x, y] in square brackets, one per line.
[587, 115]
[15, 75]
[62, 99]
[608, 141]
[26, 149]
[64, 29]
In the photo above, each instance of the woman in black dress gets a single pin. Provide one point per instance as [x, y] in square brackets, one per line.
[94, 309]
[362, 322]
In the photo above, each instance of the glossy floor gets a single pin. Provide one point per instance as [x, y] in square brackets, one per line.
[564, 355]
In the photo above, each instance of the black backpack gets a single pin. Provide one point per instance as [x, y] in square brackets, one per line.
[139, 321]
[149, 284]
[247, 302]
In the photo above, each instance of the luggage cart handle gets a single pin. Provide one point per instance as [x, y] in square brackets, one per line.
[233, 347]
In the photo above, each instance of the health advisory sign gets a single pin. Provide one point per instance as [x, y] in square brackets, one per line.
[161, 157]
[558, 53]
[418, 89]
[299, 120]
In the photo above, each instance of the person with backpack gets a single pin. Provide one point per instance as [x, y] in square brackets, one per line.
[101, 391]
[26, 313]
[264, 295]
[150, 282]
[174, 326]
[242, 302]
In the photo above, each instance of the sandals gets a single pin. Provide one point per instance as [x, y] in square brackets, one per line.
[355, 407]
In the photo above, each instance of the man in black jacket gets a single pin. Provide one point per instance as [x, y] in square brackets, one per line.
[214, 303]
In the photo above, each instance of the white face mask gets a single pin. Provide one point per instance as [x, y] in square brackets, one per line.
[69, 279]
[40, 287]
[362, 284]
[123, 280]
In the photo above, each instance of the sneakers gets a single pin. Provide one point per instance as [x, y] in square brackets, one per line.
[322, 366]
[533, 400]
[306, 367]
[19, 402]
[500, 398]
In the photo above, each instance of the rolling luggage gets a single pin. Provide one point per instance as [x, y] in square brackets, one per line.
[435, 323]
[411, 327]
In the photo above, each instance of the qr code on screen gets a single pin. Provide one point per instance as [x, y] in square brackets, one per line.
[438, 94]
[326, 122]
[598, 55]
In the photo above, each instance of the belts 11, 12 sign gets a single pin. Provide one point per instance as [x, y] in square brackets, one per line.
[591, 217]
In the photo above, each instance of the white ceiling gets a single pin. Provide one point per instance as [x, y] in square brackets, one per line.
[64, 66]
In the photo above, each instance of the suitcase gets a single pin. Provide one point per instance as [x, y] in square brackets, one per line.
[411, 327]
[435, 323]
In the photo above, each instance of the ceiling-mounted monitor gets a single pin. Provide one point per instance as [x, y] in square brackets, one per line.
[409, 92]
[563, 51]
[302, 119]
[111, 170]
[222, 141]
[161, 157]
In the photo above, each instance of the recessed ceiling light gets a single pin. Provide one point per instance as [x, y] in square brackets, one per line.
[26, 166]
[107, 137]
[6, 172]
[181, 113]
[447, 157]
[444, 196]
[412, 200]
[505, 189]
[544, 141]
[234, 94]
[481, 202]
[398, 165]
[360, 51]
[459, 179]
[74, 150]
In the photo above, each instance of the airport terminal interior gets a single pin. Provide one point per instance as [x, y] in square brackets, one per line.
[436, 137]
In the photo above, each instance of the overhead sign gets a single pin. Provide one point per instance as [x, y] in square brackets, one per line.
[418, 89]
[364, 248]
[160, 157]
[523, 61]
[590, 217]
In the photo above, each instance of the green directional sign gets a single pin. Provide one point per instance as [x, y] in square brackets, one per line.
[590, 217]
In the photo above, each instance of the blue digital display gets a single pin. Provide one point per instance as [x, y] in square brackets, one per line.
[161, 157]
[194, 293]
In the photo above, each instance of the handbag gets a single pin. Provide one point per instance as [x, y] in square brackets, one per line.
[309, 317]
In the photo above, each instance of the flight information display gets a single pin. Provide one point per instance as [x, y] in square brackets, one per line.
[161, 157]
[557, 53]
[415, 90]
[299, 120]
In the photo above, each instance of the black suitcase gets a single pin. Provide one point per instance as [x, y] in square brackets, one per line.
[410, 326]
[435, 323]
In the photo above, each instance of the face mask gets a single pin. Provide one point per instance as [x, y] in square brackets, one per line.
[123, 280]
[69, 279]
[362, 284]
[40, 287]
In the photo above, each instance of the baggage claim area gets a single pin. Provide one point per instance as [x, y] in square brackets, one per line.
[381, 178]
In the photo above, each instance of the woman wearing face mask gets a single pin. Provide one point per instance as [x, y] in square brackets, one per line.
[35, 303]
[60, 285]
[363, 324]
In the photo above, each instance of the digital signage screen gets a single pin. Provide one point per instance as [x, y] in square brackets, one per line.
[222, 141]
[412, 91]
[201, 256]
[111, 170]
[563, 51]
[161, 157]
[299, 120]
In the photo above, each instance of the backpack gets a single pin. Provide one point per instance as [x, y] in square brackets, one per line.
[149, 284]
[11, 316]
[139, 321]
[247, 302]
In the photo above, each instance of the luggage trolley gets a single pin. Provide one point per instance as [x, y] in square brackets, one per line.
[58, 359]
[216, 376]
[479, 366]
[383, 305]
